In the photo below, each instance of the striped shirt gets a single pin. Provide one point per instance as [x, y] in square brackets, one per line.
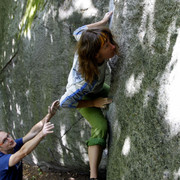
[77, 87]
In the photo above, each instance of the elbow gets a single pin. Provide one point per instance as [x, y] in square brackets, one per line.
[68, 102]
[68, 105]
[64, 105]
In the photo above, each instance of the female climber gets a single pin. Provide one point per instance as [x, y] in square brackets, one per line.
[86, 89]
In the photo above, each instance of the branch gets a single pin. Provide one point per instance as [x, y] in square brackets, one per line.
[9, 62]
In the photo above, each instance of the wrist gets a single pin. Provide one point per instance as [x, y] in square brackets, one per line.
[51, 114]
[48, 117]
[41, 134]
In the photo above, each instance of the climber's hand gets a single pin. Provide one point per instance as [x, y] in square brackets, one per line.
[101, 102]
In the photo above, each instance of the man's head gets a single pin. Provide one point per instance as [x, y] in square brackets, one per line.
[7, 143]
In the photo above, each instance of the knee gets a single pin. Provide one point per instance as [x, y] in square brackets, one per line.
[101, 130]
[104, 127]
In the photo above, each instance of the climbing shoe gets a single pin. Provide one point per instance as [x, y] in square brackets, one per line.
[93, 179]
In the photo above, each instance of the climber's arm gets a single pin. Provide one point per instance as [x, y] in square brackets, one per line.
[103, 22]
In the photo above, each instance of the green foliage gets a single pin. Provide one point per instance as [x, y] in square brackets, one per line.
[40, 171]
[33, 178]
[31, 9]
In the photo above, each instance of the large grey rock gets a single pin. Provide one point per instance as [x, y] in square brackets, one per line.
[144, 116]
[34, 68]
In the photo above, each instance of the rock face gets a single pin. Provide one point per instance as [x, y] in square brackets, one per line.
[144, 116]
[34, 67]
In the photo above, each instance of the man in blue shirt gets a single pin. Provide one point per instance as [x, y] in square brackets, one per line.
[13, 151]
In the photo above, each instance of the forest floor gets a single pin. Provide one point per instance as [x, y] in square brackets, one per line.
[35, 173]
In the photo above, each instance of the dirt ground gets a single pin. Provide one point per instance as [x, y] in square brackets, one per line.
[35, 173]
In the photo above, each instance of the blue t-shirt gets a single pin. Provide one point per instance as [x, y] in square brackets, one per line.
[14, 172]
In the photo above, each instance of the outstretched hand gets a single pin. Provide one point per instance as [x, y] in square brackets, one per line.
[48, 126]
[107, 17]
[102, 102]
[53, 108]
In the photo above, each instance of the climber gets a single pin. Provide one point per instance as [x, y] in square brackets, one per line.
[13, 151]
[86, 89]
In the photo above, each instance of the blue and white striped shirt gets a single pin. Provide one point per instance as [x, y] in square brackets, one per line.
[77, 87]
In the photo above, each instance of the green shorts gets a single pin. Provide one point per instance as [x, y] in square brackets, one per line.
[96, 119]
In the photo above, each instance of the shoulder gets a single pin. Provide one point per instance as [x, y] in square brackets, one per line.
[78, 32]
[4, 161]
[19, 143]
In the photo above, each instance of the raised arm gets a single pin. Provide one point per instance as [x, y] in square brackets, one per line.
[38, 127]
[103, 22]
[31, 144]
